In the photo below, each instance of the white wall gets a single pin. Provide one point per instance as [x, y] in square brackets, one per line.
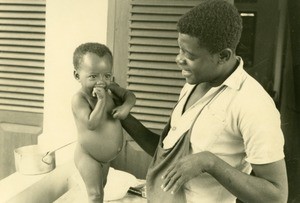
[68, 24]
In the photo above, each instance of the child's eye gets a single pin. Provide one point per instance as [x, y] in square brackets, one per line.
[92, 76]
[107, 76]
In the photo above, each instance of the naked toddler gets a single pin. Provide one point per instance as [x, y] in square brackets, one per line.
[100, 136]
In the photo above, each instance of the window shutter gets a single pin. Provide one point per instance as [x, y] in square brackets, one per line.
[152, 72]
[22, 44]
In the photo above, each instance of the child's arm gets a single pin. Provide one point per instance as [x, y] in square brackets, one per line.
[89, 118]
[121, 112]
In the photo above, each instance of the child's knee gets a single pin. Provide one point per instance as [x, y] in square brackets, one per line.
[95, 195]
[96, 198]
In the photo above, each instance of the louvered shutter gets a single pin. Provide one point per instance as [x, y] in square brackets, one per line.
[22, 44]
[153, 74]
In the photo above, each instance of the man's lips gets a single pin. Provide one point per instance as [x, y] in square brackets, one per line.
[186, 73]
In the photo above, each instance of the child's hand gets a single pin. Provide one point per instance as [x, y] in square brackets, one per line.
[99, 91]
[120, 112]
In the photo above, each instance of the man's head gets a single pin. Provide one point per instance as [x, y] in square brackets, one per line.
[208, 36]
[215, 23]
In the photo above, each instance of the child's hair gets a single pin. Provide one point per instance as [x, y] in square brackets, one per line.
[216, 24]
[92, 47]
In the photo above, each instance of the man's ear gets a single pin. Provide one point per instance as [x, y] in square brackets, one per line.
[76, 75]
[225, 55]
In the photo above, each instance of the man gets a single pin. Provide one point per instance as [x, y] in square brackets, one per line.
[223, 126]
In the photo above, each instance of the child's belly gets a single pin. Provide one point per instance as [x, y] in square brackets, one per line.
[105, 143]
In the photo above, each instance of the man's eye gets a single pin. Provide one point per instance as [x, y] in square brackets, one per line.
[188, 56]
[92, 76]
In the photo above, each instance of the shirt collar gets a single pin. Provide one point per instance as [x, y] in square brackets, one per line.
[236, 79]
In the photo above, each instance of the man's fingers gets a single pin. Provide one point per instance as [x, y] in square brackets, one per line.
[169, 176]
[168, 171]
[171, 182]
[177, 185]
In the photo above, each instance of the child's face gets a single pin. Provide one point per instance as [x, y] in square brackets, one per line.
[94, 70]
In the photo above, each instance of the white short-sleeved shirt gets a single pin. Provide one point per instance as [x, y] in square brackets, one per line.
[241, 125]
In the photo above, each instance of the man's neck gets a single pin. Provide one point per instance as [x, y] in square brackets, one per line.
[229, 68]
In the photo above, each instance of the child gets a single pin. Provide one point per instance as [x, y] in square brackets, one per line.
[100, 136]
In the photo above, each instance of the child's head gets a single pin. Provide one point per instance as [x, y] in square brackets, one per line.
[90, 47]
[215, 23]
[92, 65]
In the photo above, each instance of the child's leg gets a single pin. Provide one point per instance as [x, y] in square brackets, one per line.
[93, 173]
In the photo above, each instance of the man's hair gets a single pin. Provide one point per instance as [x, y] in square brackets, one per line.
[215, 23]
[90, 47]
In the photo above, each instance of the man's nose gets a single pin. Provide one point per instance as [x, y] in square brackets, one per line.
[180, 60]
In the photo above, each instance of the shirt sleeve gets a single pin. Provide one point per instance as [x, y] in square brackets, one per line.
[260, 126]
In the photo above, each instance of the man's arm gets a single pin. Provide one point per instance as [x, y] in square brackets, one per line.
[126, 96]
[268, 185]
[146, 139]
[128, 101]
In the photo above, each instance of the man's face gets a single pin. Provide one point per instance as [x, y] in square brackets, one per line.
[197, 63]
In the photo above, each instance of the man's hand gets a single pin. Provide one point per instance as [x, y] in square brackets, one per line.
[117, 99]
[184, 170]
